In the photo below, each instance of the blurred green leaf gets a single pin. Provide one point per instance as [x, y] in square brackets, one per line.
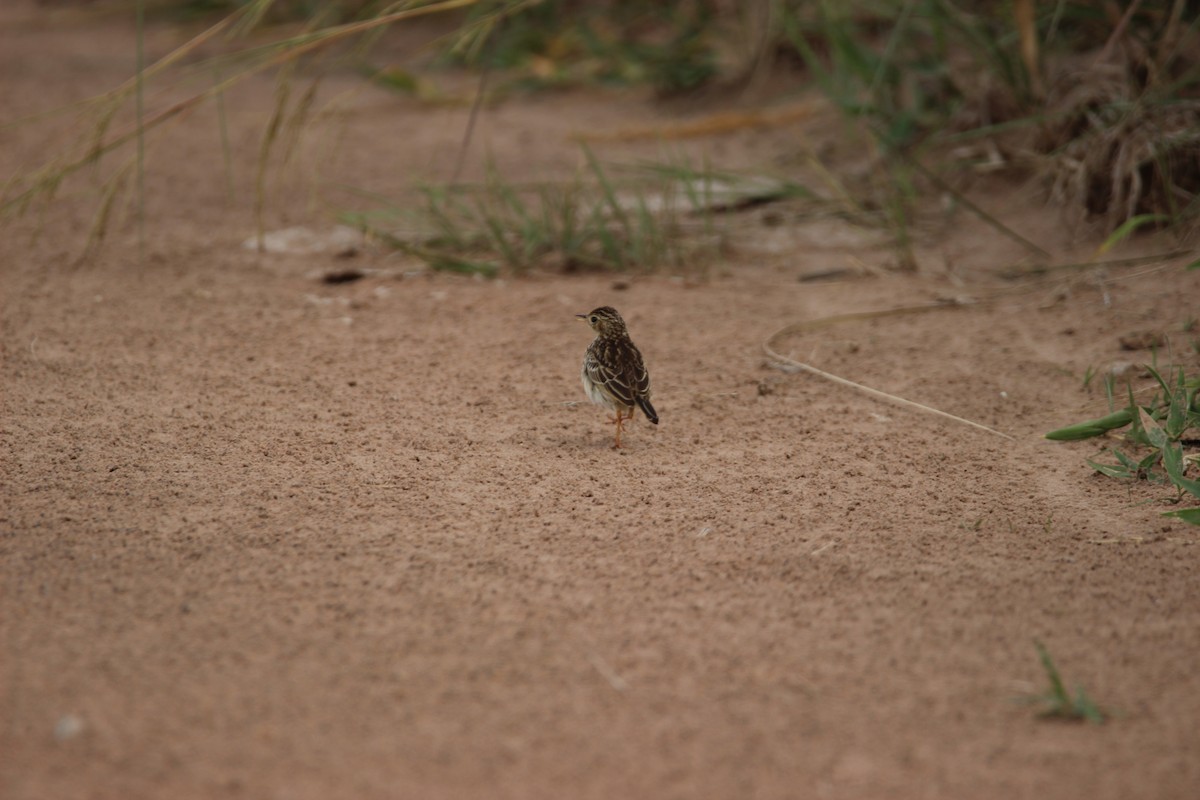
[1137, 431]
[1177, 413]
[1188, 515]
[1128, 227]
[1154, 373]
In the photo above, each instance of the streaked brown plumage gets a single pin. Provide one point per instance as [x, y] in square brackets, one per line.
[614, 375]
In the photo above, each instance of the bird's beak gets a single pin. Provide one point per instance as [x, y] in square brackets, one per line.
[581, 317]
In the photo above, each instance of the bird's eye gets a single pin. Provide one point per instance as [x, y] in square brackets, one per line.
[593, 320]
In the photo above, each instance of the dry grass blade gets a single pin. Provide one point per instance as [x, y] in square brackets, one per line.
[264, 152]
[1125, 134]
[129, 87]
[1026, 18]
[723, 122]
[973, 208]
[108, 196]
[280, 53]
[797, 327]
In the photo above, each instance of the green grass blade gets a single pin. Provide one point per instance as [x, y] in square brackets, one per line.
[499, 238]
[1084, 707]
[1059, 703]
[1111, 470]
[1174, 465]
[1137, 432]
[1177, 412]
[1127, 228]
[1092, 428]
[1146, 464]
[1127, 462]
[610, 195]
[1058, 691]
[1188, 515]
[1161, 381]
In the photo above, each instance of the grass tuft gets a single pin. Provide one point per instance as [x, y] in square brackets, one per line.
[1161, 429]
[591, 222]
[1057, 702]
[1103, 100]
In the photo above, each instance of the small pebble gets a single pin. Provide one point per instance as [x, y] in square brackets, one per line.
[1119, 368]
[68, 727]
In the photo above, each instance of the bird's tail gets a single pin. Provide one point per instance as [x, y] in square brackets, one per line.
[651, 414]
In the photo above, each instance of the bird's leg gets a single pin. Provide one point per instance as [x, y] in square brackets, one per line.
[620, 420]
[620, 417]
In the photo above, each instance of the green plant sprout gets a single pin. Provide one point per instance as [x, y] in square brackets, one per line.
[1057, 702]
[1163, 426]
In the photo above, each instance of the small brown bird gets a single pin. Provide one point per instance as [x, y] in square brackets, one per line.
[613, 373]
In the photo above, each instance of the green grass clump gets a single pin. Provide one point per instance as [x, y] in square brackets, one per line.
[1057, 702]
[1162, 427]
[589, 223]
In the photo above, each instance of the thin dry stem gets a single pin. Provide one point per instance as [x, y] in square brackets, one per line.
[790, 363]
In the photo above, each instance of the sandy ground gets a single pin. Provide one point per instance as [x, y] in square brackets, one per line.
[266, 537]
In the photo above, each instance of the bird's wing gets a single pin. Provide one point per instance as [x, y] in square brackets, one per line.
[614, 371]
[635, 374]
[641, 376]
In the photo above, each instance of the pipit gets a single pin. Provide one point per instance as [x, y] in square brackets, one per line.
[613, 373]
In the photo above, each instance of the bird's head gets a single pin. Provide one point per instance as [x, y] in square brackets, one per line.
[604, 321]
